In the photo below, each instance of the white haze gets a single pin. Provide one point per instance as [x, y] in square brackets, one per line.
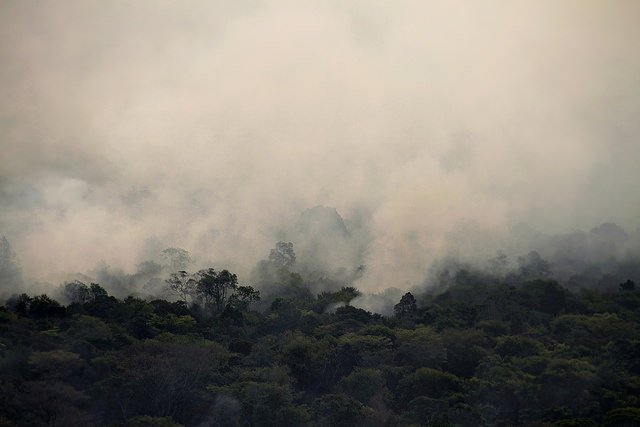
[129, 127]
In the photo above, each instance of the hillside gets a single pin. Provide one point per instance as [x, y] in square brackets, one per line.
[484, 352]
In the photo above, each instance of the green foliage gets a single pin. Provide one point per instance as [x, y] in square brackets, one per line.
[533, 266]
[518, 346]
[214, 287]
[262, 403]
[275, 281]
[465, 349]
[592, 331]
[339, 410]
[363, 384]
[55, 364]
[362, 350]
[493, 328]
[96, 291]
[576, 422]
[19, 304]
[425, 410]
[309, 360]
[164, 377]
[567, 383]
[44, 307]
[174, 324]
[622, 417]
[428, 382]
[406, 308]
[523, 351]
[76, 292]
[243, 297]
[147, 421]
[546, 296]
[421, 347]
[284, 315]
[51, 403]
[326, 298]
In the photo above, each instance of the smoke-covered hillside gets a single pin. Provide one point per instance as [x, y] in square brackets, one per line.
[500, 348]
[322, 252]
[279, 212]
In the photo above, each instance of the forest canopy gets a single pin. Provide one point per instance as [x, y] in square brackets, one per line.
[514, 348]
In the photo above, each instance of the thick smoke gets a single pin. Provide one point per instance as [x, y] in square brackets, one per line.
[432, 127]
[10, 273]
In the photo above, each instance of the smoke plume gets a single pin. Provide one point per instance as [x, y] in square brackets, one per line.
[431, 127]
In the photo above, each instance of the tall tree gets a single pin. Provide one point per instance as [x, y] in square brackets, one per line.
[76, 292]
[243, 297]
[406, 307]
[182, 285]
[216, 286]
[283, 255]
[533, 266]
[176, 258]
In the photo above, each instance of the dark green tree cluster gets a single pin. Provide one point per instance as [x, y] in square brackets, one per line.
[483, 352]
[211, 289]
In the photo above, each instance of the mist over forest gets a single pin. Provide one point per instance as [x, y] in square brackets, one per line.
[323, 255]
[435, 129]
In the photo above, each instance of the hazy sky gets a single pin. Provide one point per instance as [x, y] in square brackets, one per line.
[130, 126]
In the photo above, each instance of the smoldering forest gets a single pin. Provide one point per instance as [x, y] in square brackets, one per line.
[278, 212]
[434, 130]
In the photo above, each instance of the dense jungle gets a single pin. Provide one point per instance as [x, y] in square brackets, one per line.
[484, 348]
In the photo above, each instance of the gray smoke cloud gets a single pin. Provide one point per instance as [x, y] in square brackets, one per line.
[431, 126]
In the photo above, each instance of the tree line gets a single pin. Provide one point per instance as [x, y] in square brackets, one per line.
[481, 352]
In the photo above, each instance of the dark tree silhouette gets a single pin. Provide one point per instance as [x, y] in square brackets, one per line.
[216, 286]
[406, 307]
[283, 255]
[533, 266]
[182, 285]
[629, 285]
